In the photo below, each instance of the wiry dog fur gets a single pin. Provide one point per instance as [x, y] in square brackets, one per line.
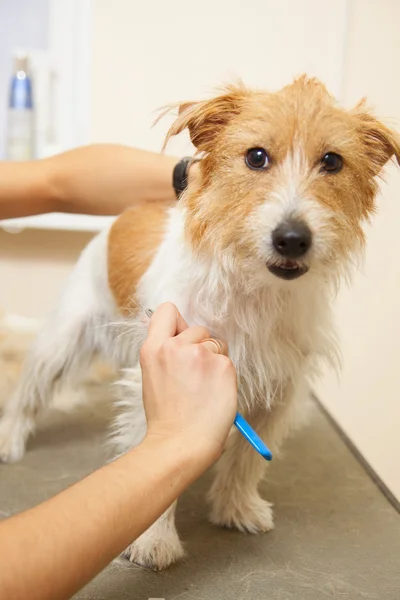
[210, 255]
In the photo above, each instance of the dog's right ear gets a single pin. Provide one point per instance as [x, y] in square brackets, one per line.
[206, 119]
[380, 142]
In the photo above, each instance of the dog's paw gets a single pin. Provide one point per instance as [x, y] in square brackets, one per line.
[248, 514]
[155, 553]
[12, 441]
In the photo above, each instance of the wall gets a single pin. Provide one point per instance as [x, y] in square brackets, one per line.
[366, 401]
[33, 267]
[147, 55]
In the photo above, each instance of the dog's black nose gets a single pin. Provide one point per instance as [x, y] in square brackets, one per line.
[292, 239]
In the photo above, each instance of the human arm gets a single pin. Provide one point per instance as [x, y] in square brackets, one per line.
[100, 179]
[190, 402]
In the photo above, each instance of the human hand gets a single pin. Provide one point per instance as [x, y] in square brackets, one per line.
[189, 389]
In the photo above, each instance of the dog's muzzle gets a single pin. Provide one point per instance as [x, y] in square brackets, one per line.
[291, 241]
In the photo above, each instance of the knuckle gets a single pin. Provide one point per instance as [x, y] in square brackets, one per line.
[168, 347]
[196, 360]
[224, 346]
[168, 306]
[228, 365]
[206, 333]
[197, 353]
[145, 353]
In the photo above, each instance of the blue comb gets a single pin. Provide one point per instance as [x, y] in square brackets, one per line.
[251, 436]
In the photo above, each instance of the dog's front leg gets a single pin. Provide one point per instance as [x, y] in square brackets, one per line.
[160, 545]
[235, 501]
[234, 497]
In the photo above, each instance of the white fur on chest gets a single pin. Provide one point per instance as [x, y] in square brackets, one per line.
[274, 334]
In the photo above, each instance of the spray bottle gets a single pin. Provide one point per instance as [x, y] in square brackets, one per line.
[20, 125]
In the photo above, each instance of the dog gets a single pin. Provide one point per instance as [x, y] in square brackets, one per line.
[254, 250]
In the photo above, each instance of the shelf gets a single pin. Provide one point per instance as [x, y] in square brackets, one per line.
[57, 221]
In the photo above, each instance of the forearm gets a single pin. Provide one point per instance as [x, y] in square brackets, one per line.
[102, 179]
[106, 179]
[25, 189]
[54, 549]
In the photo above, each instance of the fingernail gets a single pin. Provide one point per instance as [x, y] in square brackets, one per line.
[149, 312]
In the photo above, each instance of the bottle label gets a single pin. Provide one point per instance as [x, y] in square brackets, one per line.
[20, 134]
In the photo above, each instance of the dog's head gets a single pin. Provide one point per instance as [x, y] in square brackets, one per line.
[287, 178]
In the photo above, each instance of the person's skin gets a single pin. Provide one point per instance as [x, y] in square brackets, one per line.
[102, 179]
[190, 399]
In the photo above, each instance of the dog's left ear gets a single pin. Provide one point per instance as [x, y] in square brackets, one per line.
[381, 142]
[206, 119]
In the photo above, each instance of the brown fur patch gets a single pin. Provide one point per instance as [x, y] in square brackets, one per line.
[133, 241]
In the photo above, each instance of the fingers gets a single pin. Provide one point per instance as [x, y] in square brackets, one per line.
[215, 345]
[166, 322]
[181, 324]
[201, 335]
[194, 335]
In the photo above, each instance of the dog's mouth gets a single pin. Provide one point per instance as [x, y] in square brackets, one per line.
[289, 269]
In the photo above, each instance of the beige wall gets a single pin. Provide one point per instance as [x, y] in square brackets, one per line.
[366, 401]
[149, 54]
[34, 266]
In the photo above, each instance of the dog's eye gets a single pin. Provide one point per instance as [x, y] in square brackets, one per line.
[257, 158]
[331, 162]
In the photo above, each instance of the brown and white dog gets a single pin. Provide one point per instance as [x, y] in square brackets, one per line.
[254, 250]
